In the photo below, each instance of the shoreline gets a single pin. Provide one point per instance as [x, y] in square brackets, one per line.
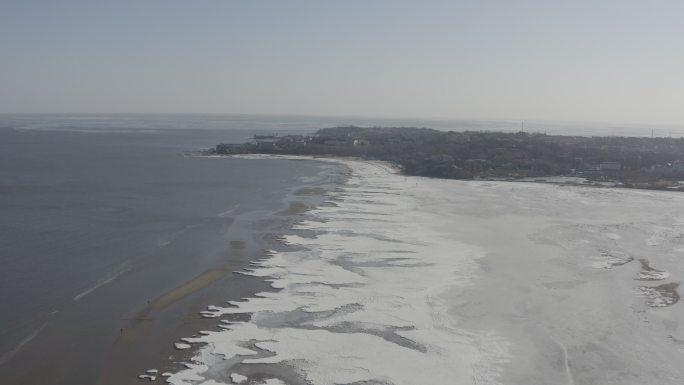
[654, 163]
[214, 286]
[396, 168]
[75, 349]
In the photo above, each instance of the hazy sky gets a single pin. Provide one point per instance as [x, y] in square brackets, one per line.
[612, 60]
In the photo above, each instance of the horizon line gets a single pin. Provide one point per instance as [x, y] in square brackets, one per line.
[375, 117]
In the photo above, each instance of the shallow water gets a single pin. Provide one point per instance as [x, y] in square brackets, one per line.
[98, 218]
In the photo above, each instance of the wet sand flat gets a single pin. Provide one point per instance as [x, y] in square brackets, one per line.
[148, 341]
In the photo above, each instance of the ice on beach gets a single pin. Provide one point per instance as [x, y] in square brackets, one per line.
[608, 260]
[410, 281]
[358, 293]
[653, 275]
[181, 346]
[211, 312]
[660, 296]
[666, 234]
[272, 381]
[236, 378]
[189, 375]
[647, 273]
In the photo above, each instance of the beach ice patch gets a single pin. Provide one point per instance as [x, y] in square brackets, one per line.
[236, 378]
[660, 296]
[272, 381]
[661, 234]
[647, 273]
[609, 259]
[361, 301]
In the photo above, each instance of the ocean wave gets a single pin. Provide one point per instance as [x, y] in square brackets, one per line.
[6, 356]
[123, 268]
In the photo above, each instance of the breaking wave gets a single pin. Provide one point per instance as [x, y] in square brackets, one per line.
[122, 269]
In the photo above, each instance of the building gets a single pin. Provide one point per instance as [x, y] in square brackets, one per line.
[334, 142]
[610, 166]
[678, 166]
[266, 144]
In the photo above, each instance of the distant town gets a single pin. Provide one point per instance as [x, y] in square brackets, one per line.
[651, 163]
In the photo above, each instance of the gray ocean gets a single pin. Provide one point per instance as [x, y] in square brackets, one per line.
[99, 214]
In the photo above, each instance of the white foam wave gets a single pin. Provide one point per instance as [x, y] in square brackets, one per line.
[123, 268]
[361, 302]
[5, 357]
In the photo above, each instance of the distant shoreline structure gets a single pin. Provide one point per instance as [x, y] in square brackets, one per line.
[281, 123]
[632, 162]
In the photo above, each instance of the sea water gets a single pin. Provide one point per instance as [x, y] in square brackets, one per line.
[101, 214]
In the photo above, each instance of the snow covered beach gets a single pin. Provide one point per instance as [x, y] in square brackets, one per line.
[404, 280]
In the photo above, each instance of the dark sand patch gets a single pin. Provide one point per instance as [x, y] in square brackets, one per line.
[191, 286]
[138, 324]
[148, 341]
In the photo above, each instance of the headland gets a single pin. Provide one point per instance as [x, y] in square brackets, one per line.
[632, 162]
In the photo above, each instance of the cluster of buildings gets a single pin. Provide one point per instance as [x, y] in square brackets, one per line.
[466, 155]
[276, 143]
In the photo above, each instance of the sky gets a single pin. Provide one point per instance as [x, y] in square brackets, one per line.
[610, 60]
